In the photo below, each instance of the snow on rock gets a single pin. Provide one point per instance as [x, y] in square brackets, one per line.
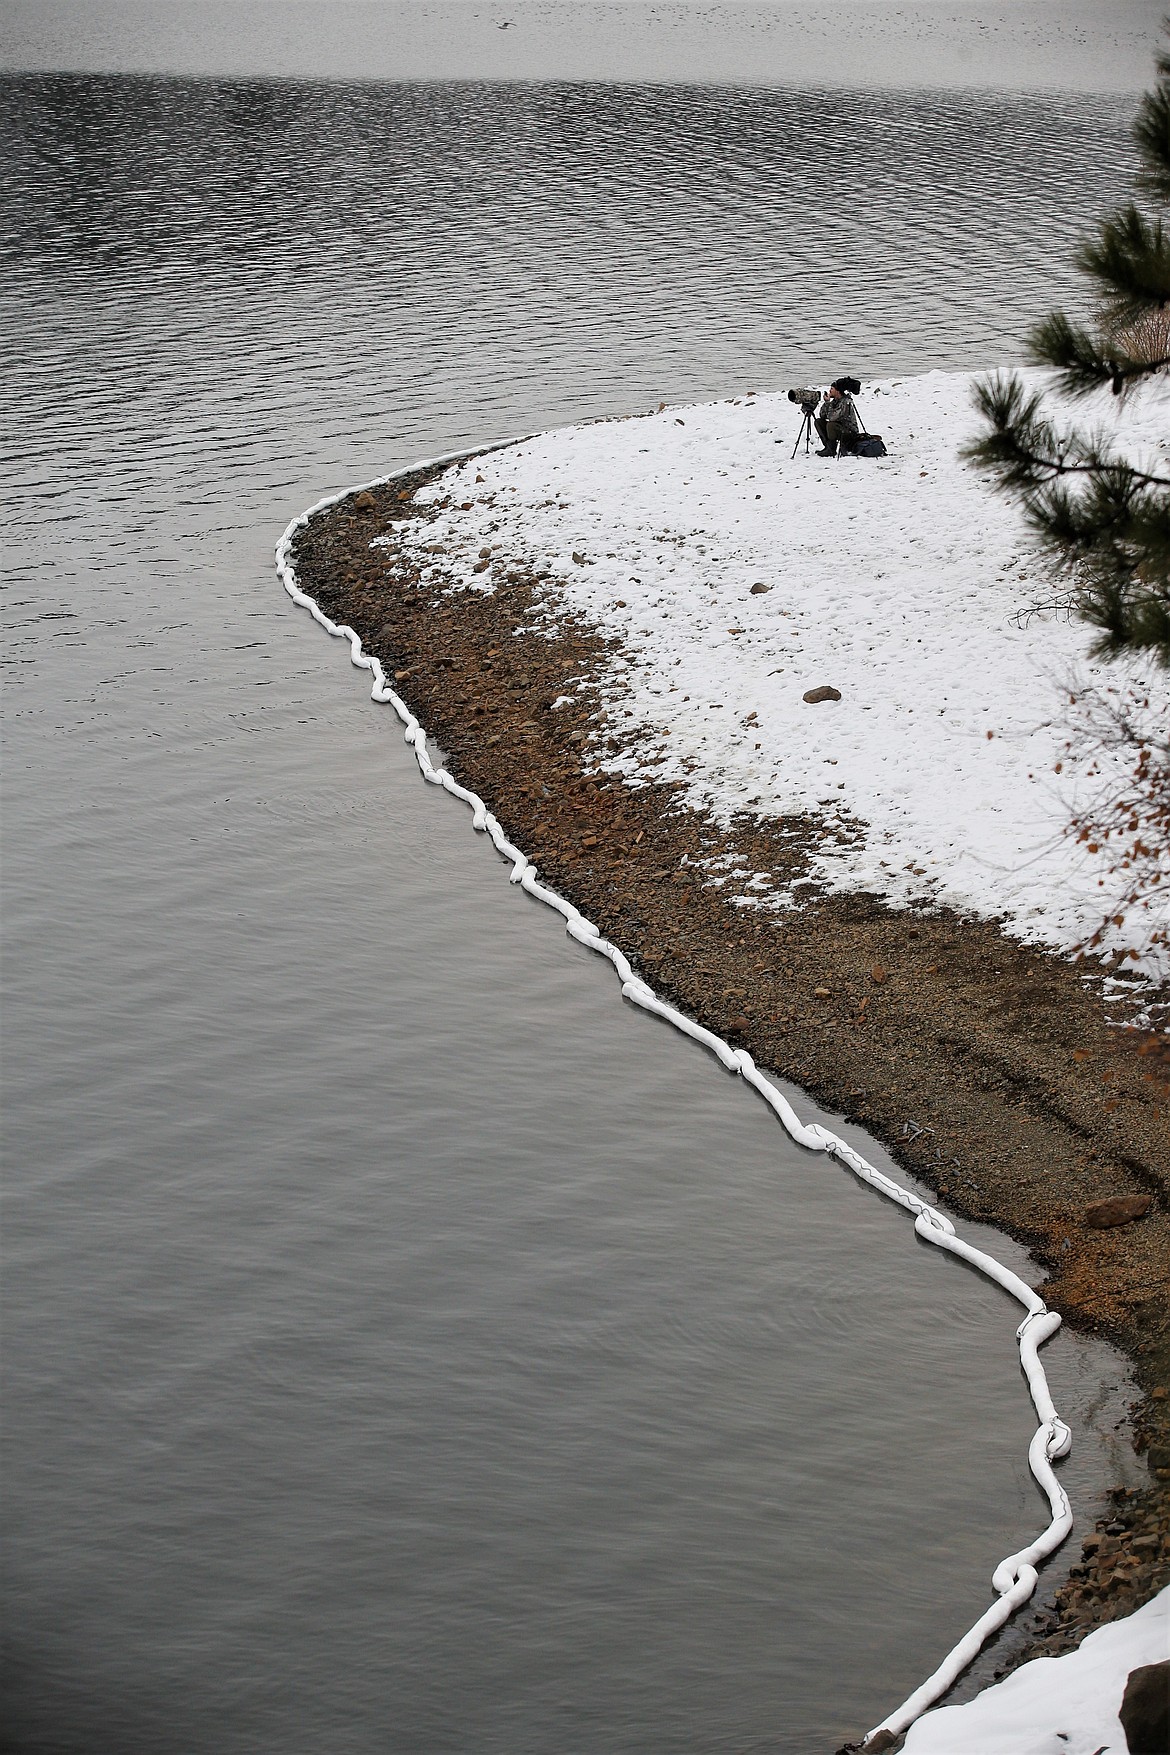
[1054, 1706]
[897, 581]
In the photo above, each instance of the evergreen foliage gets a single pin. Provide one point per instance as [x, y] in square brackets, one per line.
[1105, 522]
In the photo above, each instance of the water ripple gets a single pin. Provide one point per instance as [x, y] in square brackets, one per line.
[364, 1389]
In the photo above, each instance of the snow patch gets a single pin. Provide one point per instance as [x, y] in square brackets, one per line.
[1054, 1706]
[903, 582]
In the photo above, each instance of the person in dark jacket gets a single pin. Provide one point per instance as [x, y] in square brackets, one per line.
[836, 422]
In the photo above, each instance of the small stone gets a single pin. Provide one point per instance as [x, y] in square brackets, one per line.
[824, 693]
[822, 993]
[738, 1026]
[579, 559]
[364, 502]
[877, 973]
[759, 588]
[1120, 1209]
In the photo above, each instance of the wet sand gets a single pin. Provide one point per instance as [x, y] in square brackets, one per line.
[994, 1072]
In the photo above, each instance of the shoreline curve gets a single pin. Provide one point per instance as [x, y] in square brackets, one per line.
[1015, 1578]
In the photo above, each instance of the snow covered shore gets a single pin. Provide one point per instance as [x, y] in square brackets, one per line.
[899, 581]
[1069, 1703]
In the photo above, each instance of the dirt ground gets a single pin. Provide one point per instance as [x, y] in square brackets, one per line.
[989, 1070]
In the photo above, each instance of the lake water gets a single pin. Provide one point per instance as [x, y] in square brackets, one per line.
[410, 1347]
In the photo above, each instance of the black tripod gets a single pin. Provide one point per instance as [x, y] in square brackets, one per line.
[805, 432]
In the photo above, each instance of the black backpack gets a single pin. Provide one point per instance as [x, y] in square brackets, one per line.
[860, 444]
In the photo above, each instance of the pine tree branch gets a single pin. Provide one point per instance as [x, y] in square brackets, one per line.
[1126, 614]
[1085, 364]
[1104, 522]
[1130, 261]
[1027, 451]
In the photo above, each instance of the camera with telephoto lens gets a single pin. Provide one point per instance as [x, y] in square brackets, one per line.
[807, 399]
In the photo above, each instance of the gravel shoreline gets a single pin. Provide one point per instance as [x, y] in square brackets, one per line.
[987, 1068]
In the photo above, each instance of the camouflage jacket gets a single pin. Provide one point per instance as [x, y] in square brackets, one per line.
[840, 417]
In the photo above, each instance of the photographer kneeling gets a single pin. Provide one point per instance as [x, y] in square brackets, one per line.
[836, 420]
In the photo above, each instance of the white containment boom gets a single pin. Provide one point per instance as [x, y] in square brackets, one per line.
[1014, 1579]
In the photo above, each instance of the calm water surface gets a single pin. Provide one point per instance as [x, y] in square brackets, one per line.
[408, 1346]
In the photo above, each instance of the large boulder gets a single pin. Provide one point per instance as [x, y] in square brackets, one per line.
[1145, 1710]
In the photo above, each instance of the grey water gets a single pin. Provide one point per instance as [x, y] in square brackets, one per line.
[409, 1347]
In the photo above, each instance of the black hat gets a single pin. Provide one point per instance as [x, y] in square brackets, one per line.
[847, 386]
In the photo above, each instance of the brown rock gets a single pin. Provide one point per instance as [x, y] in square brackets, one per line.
[824, 693]
[1145, 1710]
[1120, 1209]
[759, 588]
[364, 502]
